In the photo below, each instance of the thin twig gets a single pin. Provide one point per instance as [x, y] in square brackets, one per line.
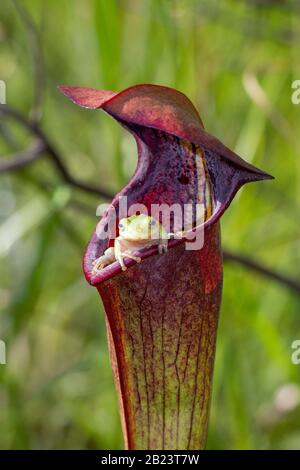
[34, 129]
[22, 159]
[259, 268]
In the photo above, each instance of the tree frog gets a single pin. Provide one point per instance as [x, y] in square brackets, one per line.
[135, 232]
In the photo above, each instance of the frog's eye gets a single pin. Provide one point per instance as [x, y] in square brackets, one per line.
[121, 226]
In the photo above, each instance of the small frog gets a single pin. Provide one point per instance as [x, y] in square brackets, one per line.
[135, 232]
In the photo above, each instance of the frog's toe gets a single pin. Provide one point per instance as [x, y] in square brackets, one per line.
[131, 256]
[96, 269]
[99, 264]
[163, 248]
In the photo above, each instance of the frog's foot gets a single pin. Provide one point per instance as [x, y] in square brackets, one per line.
[128, 254]
[99, 264]
[103, 261]
[163, 247]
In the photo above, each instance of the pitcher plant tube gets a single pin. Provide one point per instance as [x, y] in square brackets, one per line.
[162, 313]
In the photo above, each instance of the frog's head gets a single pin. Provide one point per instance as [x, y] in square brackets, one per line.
[140, 227]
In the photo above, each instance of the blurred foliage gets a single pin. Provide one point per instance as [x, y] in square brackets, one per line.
[236, 61]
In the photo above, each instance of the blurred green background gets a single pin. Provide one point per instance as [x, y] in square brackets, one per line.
[236, 61]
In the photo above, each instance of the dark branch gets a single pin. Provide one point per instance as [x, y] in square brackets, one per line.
[22, 159]
[259, 268]
[54, 155]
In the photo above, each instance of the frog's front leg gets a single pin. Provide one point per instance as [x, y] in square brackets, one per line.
[107, 258]
[123, 251]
